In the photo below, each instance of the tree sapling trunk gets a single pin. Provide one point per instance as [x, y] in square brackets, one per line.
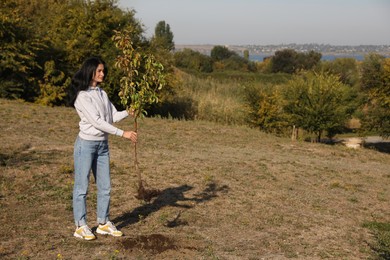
[142, 77]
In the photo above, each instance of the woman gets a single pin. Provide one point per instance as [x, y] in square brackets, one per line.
[91, 151]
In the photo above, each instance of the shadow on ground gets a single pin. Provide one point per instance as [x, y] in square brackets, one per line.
[153, 244]
[383, 147]
[170, 197]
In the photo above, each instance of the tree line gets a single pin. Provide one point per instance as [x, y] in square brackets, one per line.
[43, 43]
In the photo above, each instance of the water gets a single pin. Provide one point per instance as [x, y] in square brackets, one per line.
[328, 57]
[357, 57]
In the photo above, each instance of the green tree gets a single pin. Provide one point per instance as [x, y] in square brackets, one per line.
[317, 103]
[142, 77]
[266, 109]
[236, 62]
[219, 53]
[163, 36]
[346, 68]
[284, 61]
[246, 54]
[225, 59]
[193, 60]
[290, 61]
[308, 61]
[348, 72]
[19, 48]
[372, 71]
[35, 32]
[53, 86]
[376, 84]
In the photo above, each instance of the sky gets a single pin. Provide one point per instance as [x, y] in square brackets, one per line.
[265, 22]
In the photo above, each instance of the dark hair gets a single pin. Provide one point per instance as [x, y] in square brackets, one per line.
[82, 78]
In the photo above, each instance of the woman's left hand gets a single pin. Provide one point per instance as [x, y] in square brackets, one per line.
[131, 135]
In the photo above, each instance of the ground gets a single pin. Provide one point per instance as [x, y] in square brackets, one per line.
[227, 192]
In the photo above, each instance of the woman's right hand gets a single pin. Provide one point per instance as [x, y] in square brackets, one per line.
[131, 135]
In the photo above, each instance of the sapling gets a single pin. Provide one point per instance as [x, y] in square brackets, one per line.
[143, 76]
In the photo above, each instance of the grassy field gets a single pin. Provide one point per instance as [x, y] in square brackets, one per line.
[228, 192]
[223, 97]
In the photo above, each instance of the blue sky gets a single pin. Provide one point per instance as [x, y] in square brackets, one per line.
[262, 22]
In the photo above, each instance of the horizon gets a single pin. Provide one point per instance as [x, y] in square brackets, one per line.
[283, 44]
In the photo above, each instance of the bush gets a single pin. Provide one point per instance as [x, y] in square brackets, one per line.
[189, 59]
[266, 109]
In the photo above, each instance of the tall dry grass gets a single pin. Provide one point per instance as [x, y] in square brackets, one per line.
[216, 101]
[223, 97]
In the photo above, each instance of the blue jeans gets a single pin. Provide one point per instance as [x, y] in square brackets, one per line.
[89, 155]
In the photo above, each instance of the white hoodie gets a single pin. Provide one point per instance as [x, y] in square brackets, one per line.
[97, 114]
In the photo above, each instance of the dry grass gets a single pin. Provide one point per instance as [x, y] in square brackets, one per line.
[227, 192]
[216, 101]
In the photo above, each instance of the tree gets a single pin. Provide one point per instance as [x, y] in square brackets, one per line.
[142, 77]
[236, 62]
[219, 53]
[345, 68]
[53, 86]
[376, 84]
[284, 61]
[308, 61]
[317, 103]
[225, 59]
[163, 37]
[266, 109]
[193, 60]
[19, 48]
[35, 32]
[246, 54]
[290, 61]
[372, 71]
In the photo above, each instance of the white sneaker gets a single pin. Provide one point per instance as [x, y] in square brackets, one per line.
[109, 229]
[84, 232]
